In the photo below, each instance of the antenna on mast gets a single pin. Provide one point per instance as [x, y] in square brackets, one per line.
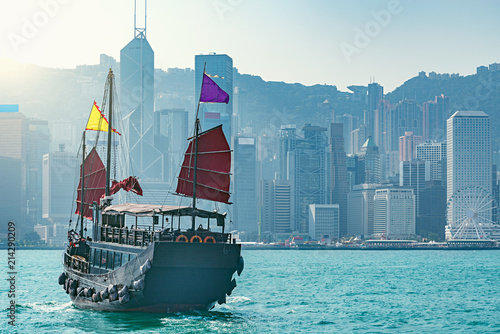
[140, 32]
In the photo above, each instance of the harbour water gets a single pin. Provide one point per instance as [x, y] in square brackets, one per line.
[283, 291]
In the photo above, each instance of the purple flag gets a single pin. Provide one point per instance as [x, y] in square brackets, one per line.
[210, 92]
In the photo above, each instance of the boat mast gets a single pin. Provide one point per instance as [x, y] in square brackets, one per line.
[83, 185]
[197, 123]
[110, 119]
[195, 169]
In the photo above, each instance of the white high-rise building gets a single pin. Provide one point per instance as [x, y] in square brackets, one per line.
[394, 212]
[324, 220]
[360, 213]
[468, 155]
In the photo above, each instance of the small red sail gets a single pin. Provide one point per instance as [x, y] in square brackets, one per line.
[95, 183]
[129, 184]
[214, 165]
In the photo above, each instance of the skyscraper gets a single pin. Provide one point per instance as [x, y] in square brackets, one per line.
[404, 116]
[282, 206]
[435, 153]
[287, 141]
[137, 104]
[266, 205]
[338, 175]
[101, 148]
[276, 206]
[245, 183]
[213, 114]
[360, 210]
[394, 212]
[389, 166]
[358, 138]
[375, 111]
[408, 146]
[240, 108]
[413, 174]
[469, 154]
[434, 114]
[369, 159]
[431, 216]
[23, 142]
[324, 221]
[354, 174]
[13, 132]
[171, 130]
[59, 175]
[307, 174]
[37, 145]
[350, 123]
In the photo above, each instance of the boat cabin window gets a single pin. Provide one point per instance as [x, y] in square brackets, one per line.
[97, 258]
[109, 260]
[104, 255]
[124, 259]
[118, 260]
[113, 220]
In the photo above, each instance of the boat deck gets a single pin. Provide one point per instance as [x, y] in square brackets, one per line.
[143, 238]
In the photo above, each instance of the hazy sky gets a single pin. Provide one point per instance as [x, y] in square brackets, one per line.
[311, 42]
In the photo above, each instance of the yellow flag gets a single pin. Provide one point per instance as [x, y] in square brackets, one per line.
[97, 121]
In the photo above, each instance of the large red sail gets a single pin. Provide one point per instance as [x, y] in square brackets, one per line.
[95, 183]
[214, 165]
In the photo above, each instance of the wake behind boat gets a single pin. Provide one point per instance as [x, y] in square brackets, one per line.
[154, 265]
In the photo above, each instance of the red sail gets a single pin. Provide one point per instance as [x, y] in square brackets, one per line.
[129, 184]
[95, 184]
[214, 165]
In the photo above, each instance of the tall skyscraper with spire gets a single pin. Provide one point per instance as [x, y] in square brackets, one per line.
[137, 104]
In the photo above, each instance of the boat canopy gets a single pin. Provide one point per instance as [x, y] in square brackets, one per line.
[145, 210]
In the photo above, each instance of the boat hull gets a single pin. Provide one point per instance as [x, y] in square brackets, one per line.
[182, 277]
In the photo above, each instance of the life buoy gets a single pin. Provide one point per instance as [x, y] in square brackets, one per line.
[196, 237]
[208, 238]
[182, 236]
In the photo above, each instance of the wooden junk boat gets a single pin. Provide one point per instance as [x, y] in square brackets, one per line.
[155, 266]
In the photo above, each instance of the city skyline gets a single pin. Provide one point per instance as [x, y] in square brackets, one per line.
[309, 152]
[308, 166]
[340, 45]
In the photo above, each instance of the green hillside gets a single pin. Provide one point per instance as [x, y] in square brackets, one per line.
[473, 92]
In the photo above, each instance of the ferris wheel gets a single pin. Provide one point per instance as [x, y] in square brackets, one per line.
[468, 211]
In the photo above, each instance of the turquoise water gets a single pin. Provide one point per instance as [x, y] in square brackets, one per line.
[292, 291]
